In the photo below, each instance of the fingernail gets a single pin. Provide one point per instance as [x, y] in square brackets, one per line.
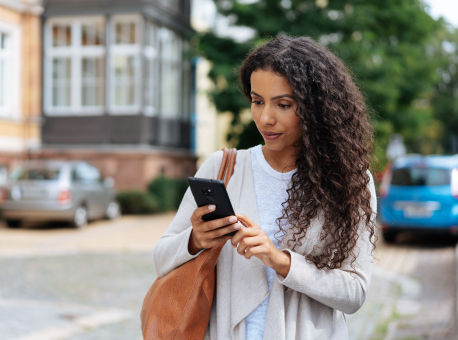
[211, 207]
[237, 226]
[232, 219]
[234, 246]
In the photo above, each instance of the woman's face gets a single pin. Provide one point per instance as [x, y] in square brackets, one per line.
[274, 110]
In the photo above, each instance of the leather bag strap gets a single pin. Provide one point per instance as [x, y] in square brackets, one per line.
[227, 165]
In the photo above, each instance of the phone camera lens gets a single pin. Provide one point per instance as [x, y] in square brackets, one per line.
[209, 198]
[207, 192]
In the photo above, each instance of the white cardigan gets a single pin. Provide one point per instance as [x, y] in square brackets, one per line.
[308, 304]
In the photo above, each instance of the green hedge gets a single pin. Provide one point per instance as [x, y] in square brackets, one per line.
[169, 191]
[138, 202]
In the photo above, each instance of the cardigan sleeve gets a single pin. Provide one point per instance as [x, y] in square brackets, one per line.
[338, 288]
[171, 251]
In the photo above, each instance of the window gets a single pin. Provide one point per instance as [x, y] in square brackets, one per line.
[75, 66]
[5, 76]
[171, 5]
[86, 173]
[61, 35]
[144, 71]
[125, 65]
[187, 81]
[420, 177]
[10, 59]
[171, 72]
[36, 173]
[151, 71]
[61, 82]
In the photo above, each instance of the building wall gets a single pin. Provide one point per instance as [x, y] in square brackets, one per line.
[211, 127]
[129, 167]
[20, 122]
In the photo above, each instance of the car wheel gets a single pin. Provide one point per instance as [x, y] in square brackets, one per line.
[80, 217]
[389, 236]
[13, 223]
[113, 210]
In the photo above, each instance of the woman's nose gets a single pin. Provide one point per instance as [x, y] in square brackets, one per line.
[268, 116]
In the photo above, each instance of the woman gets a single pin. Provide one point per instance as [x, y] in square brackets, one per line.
[305, 204]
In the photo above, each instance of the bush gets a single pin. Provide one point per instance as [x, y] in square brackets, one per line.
[169, 191]
[138, 202]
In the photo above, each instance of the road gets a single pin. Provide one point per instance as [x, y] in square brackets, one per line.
[413, 291]
[58, 283]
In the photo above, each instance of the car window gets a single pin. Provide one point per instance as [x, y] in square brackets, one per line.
[86, 173]
[37, 174]
[420, 177]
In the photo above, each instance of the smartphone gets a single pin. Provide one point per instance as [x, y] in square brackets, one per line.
[212, 191]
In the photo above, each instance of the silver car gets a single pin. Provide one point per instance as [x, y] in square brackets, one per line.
[70, 191]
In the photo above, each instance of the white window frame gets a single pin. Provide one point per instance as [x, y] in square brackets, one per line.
[76, 52]
[126, 50]
[151, 56]
[177, 66]
[12, 109]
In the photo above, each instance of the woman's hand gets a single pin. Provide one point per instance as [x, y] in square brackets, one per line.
[253, 241]
[206, 235]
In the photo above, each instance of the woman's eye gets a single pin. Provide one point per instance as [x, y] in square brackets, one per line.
[256, 102]
[284, 106]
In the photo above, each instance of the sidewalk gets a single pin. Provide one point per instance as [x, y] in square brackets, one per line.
[126, 234]
[89, 284]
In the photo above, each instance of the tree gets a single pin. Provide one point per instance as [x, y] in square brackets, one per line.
[383, 42]
[445, 98]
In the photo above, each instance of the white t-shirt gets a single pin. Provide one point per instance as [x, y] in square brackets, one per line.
[270, 188]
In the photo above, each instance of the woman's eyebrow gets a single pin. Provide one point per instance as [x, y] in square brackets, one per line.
[282, 96]
[276, 97]
[258, 95]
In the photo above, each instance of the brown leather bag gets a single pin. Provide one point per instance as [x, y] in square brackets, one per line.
[178, 305]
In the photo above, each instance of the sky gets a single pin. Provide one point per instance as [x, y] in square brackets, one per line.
[444, 8]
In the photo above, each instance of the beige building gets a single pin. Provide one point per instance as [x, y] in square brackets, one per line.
[211, 127]
[20, 80]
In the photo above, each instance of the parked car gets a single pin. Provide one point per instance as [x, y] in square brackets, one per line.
[70, 191]
[419, 194]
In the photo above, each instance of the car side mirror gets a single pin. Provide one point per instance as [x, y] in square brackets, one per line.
[109, 182]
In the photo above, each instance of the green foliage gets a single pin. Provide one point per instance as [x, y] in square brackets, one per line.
[389, 46]
[169, 191]
[445, 99]
[137, 202]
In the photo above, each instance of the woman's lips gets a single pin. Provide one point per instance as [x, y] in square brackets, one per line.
[271, 135]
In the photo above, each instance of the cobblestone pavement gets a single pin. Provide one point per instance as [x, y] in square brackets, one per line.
[412, 294]
[65, 284]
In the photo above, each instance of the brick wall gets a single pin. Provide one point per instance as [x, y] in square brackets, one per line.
[131, 169]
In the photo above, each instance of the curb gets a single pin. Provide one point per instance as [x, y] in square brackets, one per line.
[456, 291]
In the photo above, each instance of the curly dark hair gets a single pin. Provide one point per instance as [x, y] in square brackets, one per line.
[335, 150]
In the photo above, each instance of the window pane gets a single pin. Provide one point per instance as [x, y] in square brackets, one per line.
[151, 64]
[92, 81]
[38, 174]
[420, 177]
[61, 81]
[92, 34]
[125, 33]
[2, 82]
[151, 34]
[5, 69]
[61, 35]
[125, 67]
[87, 173]
[171, 68]
[4, 39]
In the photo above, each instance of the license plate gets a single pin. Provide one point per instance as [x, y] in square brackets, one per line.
[417, 212]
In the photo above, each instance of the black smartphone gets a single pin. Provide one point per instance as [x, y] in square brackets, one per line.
[212, 191]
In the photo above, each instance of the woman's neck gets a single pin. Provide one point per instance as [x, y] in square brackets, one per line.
[281, 161]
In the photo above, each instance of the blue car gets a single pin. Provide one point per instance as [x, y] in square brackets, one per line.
[420, 194]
